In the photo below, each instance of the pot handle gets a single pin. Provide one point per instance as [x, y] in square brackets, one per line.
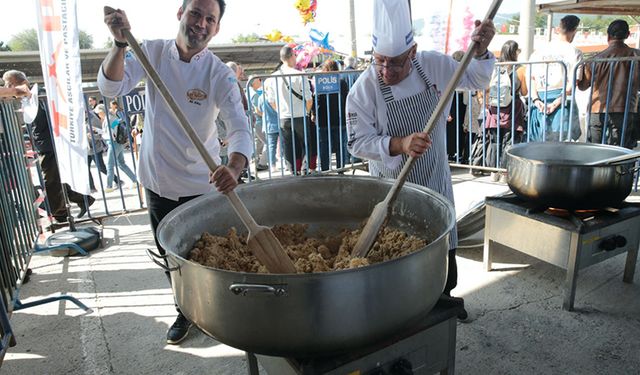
[630, 171]
[154, 258]
[620, 159]
[243, 289]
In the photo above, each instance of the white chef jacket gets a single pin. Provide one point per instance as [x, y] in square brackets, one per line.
[203, 88]
[367, 112]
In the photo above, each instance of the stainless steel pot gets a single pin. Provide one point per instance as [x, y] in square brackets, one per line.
[554, 174]
[309, 314]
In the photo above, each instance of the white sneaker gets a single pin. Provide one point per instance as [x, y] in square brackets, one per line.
[504, 178]
[109, 189]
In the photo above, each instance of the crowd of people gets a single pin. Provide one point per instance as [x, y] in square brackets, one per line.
[525, 101]
[291, 121]
[511, 112]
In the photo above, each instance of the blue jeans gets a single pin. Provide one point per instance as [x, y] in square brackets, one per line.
[115, 154]
[272, 144]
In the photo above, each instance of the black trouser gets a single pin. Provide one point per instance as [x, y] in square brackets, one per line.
[294, 137]
[53, 186]
[615, 124]
[158, 208]
[452, 274]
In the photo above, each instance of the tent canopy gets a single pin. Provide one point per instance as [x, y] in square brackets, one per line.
[609, 7]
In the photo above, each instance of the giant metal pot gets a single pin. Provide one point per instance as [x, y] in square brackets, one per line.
[309, 314]
[554, 174]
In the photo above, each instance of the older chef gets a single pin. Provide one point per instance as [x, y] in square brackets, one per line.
[391, 102]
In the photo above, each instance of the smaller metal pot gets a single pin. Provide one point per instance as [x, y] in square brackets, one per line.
[555, 174]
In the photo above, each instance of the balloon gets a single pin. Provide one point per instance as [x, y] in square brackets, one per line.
[320, 38]
[307, 9]
[274, 36]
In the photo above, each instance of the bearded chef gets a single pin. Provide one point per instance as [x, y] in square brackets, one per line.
[391, 102]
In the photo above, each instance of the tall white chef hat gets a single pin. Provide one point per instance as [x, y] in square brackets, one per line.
[392, 32]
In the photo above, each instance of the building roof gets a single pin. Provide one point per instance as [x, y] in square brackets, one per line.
[254, 57]
[609, 7]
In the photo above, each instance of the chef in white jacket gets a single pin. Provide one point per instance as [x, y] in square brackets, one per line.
[171, 169]
[391, 102]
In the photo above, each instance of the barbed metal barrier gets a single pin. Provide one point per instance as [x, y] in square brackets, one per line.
[478, 135]
[486, 123]
[20, 224]
[481, 146]
[299, 122]
[18, 220]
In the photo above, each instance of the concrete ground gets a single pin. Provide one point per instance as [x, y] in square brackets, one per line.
[517, 325]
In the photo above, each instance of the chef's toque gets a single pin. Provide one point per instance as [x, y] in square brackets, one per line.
[392, 32]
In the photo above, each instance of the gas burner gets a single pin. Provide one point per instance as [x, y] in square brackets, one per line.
[427, 347]
[562, 212]
[569, 239]
[579, 217]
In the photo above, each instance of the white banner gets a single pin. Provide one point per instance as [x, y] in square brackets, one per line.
[60, 57]
[446, 26]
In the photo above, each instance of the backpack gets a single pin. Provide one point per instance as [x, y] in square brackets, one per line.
[119, 132]
[500, 94]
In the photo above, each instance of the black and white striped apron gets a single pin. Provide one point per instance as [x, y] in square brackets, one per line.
[410, 115]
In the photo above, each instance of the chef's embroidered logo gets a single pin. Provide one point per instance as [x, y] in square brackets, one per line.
[195, 96]
[352, 118]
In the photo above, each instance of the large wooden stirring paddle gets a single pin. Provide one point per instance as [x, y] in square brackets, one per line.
[381, 210]
[261, 241]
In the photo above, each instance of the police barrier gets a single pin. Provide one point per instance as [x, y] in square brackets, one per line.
[19, 221]
[570, 118]
[612, 86]
[530, 107]
[482, 125]
[506, 114]
[302, 118]
[115, 157]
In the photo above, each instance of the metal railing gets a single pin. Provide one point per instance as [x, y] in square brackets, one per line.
[19, 221]
[626, 87]
[298, 134]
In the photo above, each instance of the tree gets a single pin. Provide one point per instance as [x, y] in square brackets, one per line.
[4, 47]
[249, 38]
[27, 40]
[539, 22]
[601, 23]
[85, 40]
[109, 43]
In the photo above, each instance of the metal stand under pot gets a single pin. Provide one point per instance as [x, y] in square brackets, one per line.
[426, 348]
[569, 239]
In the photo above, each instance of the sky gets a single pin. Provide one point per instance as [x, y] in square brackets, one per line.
[157, 19]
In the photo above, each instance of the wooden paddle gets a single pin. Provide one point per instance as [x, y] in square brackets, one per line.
[261, 241]
[381, 210]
